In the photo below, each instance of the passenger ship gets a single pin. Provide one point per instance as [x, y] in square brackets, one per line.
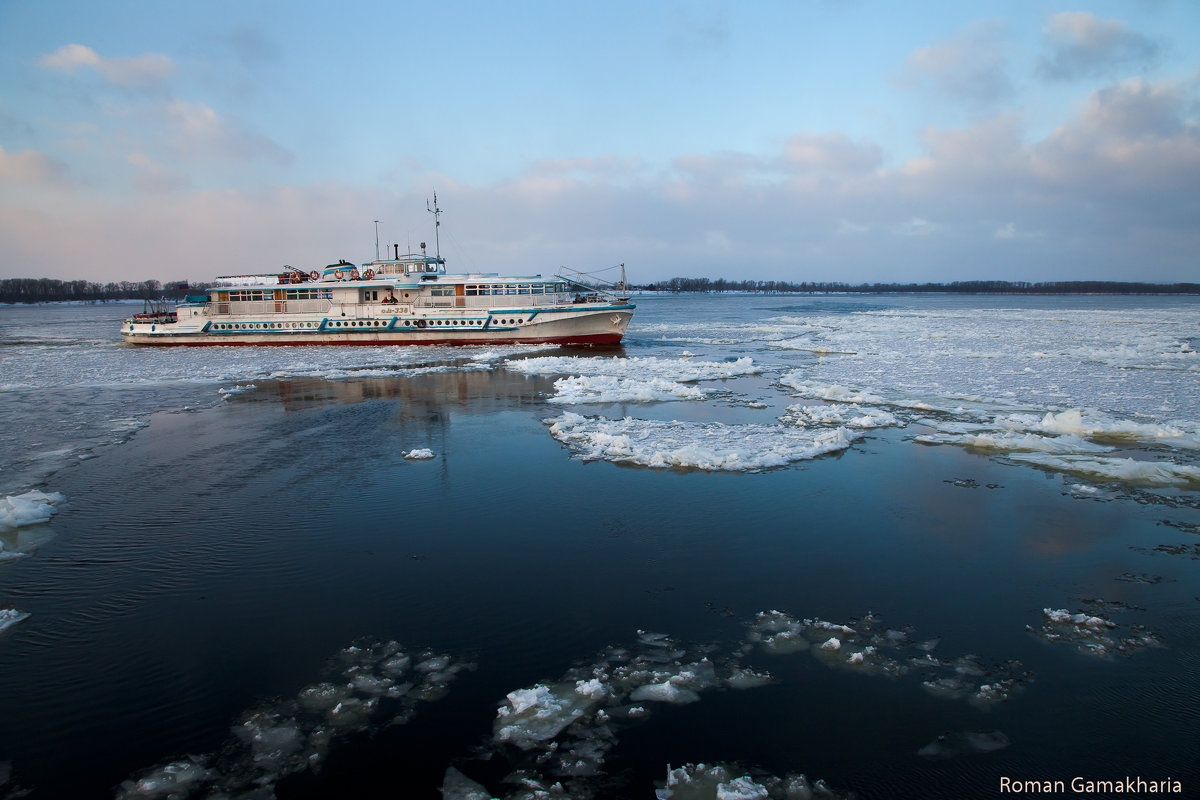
[408, 299]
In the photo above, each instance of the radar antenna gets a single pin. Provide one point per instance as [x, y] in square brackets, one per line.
[437, 223]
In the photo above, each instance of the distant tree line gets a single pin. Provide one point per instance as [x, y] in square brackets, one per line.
[956, 287]
[52, 290]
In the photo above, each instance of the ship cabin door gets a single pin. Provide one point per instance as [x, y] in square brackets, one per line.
[460, 295]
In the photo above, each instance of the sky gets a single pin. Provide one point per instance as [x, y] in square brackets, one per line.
[805, 140]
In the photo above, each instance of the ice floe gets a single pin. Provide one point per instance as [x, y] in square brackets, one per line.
[614, 389]
[865, 645]
[639, 368]
[851, 416]
[727, 782]
[417, 454]
[1125, 470]
[556, 735]
[31, 508]
[10, 617]
[705, 446]
[1093, 635]
[962, 743]
[372, 685]
[237, 389]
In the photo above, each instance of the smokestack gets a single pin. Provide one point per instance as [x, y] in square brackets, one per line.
[397, 251]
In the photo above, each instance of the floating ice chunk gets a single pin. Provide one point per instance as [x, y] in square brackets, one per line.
[539, 713]
[418, 454]
[1092, 635]
[591, 689]
[833, 643]
[639, 368]
[745, 678]
[821, 390]
[175, 780]
[952, 745]
[742, 788]
[1098, 425]
[10, 617]
[1009, 442]
[612, 389]
[238, 389]
[852, 416]
[31, 508]
[290, 736]
[726, 782]
[669, 691]
[1127, 470]
[456, 786]
[712, 446]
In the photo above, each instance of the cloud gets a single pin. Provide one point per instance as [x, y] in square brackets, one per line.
[830, 152]
[1082, 46]
[1132, 141]
[30, 167]
[145, 71]
[916, 227]
[970, 68]
[150, 176]
[1109, 195]
[199, 131]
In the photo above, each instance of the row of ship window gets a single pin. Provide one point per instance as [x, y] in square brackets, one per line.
[226, 326]
[474, 290]
[289, 294]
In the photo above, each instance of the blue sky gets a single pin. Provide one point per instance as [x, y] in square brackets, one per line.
[821, 140]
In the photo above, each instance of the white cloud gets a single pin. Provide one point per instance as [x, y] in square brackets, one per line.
[30, 167]
[916, 227]
[1110, 194]
[970, 67]
[1081, 45]
[199, 131]
[830, 152]
[150, 176]
[145, 71]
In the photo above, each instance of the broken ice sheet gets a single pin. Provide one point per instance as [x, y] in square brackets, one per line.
[556, 735]
[371, 685]
[867, 646]
[1093, 635]
[728, 782]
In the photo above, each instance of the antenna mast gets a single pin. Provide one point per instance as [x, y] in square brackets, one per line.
[437, 223]
[376, 240]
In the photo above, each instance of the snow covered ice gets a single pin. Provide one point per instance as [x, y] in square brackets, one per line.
[866, 646]
[705, 446]
[1093, 635]
[373, 684]
[31, 508]
[727, 782]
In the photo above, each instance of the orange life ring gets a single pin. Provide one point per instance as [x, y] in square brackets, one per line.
[314, 275]
[337, 273]
[353, 274]
[295, 277]
[368, 274]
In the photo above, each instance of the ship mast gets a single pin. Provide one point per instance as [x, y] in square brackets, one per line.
[437, 223]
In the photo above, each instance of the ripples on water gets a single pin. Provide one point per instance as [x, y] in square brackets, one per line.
[615, 539]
